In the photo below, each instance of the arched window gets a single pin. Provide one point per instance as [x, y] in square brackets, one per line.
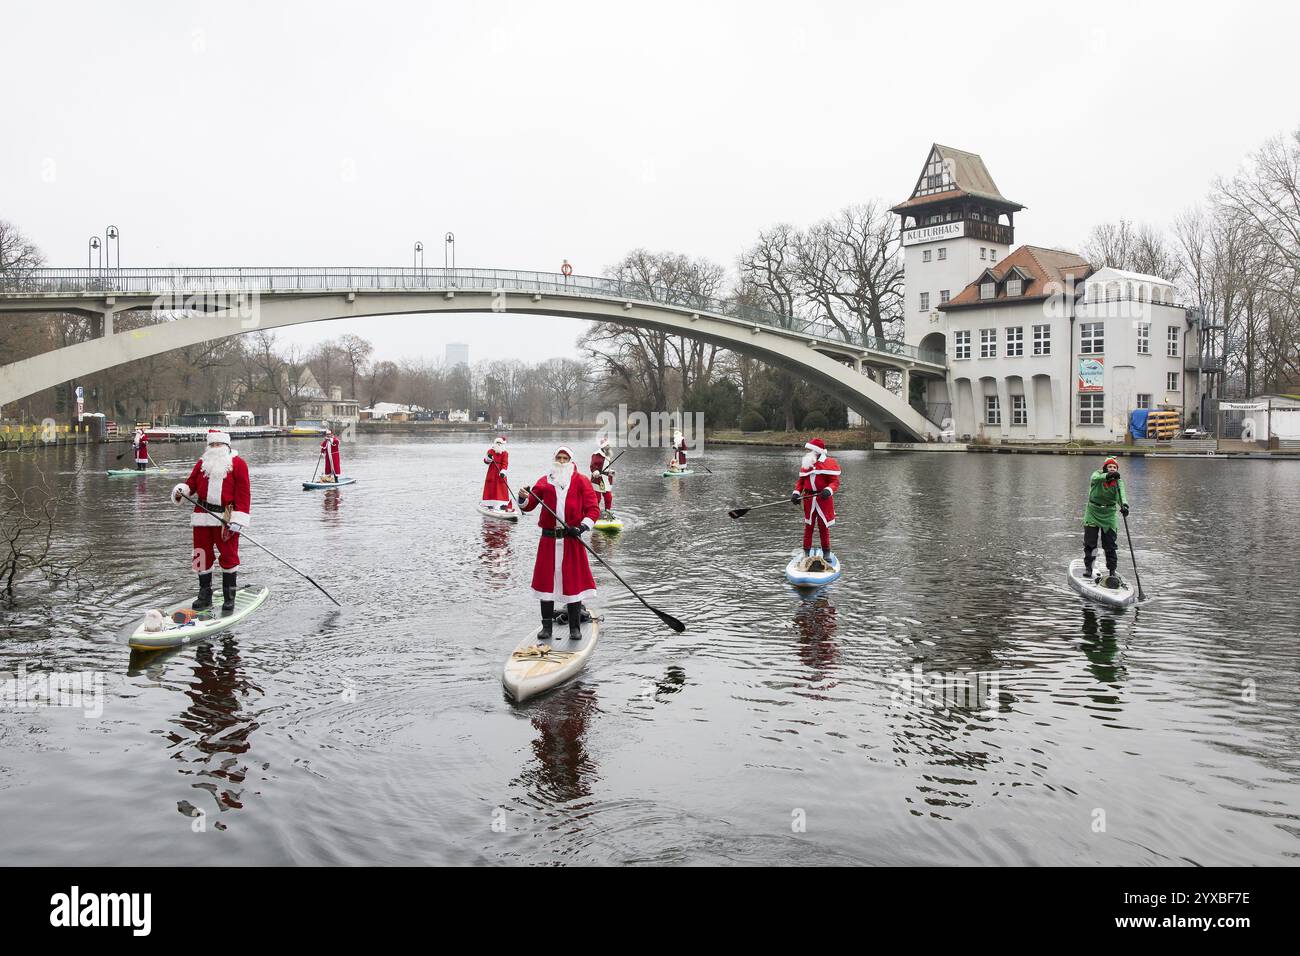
[1142, 293]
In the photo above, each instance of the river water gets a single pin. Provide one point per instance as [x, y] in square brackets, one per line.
[948, 701]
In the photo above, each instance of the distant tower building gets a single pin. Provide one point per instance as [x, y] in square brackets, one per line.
[457, 354]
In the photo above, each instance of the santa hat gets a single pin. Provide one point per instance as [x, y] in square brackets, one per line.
[1112, 460]
[217, 435]
[818, 446]
[604, 441]
[566, 449]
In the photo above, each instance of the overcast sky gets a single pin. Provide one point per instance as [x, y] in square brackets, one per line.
[233, 133]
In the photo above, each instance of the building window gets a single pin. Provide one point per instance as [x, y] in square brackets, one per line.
[992, 410]
[1042, 340]
[986, 290]
[1014, 286]
[1174, 333]
[1144, 338]
[1171, 382]
[925, 255]
[993, 255]
[988, 343]
[943, 253]
[961, 345]
[1092, 339]
[1016, 340]
[943, 296]
[1091, 408]
[1143, 400]
[982, 251]
[925, 301]
[1019, 410]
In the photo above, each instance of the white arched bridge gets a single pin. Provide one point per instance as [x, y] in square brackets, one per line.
[197, 305]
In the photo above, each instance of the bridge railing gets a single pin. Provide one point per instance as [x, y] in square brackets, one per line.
[182, 281]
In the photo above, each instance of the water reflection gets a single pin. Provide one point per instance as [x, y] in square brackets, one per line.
[1102, 649]
[496, 556]
[818, 649]
[215, 728]
[562, 769]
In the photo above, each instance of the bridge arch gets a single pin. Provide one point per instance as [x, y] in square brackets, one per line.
[815, 356]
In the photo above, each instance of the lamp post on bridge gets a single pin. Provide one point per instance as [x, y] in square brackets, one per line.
[449, 251]
[417, 260]
[91, 253]
[112, 235]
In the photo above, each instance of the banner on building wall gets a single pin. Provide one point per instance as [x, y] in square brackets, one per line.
[1092, 373]
[945, 230]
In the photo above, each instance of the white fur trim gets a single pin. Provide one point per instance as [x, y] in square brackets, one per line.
[565, 598]
[216, 435]
[503, 474]
[180, 489]
[588, 523]
[240, 518]
[566, 449]
[204, 519]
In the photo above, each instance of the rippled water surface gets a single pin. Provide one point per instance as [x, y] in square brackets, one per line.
[778, 728]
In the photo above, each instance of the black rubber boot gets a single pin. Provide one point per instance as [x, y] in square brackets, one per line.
[575, 621]
[204, 600]
[548, 621]
[227, 591]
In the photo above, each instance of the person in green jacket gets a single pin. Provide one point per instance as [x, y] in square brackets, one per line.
[1105, 491]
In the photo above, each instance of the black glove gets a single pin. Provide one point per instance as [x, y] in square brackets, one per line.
[824, 493]
[1123, 509]
[795, 497]
[575, 530]
[1112, 477]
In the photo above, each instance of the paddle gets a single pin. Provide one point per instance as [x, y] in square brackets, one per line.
[699, 464]
[217, 514]
[741, 512]
[668, 619]
[1141, 596]
[318, 461]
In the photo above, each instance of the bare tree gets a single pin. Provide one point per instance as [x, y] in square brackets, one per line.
[19, 256]
[27, 517]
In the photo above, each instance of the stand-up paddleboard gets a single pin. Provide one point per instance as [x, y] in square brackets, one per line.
[499, 514]
[1122, 596]
[609, 524]
[535, 665]
[680, 473]
[312, 485]
[181, 625]
[798, 574]
[124, 472]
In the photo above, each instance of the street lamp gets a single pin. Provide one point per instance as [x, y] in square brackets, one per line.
[92, 251]
[112, 234]
[449, 250]
[417, 258]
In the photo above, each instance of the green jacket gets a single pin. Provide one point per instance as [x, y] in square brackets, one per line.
[1101, 509]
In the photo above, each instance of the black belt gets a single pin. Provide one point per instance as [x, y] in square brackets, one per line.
[552, 532]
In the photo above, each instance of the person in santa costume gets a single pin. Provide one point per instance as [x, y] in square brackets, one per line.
[561, 572]
[140, 441]
[330, 449]
[219, 479]
[496, 491]
[819, 479]
[678, 461]
[602, 479]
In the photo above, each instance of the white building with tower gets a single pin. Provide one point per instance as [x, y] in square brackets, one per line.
[1039, 347]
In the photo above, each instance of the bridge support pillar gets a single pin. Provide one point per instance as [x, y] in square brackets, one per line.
[108, 322]
[907, 384]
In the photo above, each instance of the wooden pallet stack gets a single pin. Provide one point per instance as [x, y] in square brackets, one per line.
[1164, 424]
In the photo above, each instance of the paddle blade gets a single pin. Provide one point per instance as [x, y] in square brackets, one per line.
[671, 621]
[737, 512]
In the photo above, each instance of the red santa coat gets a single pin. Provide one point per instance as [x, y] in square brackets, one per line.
[600, 479]
[234, 490]
[496, 491]
[680, 448]
[142, 450]
[561, 573]
[823, 474]
[330, 449]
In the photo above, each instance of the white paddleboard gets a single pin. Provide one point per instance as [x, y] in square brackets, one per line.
[535, 666]
[1122, 596]
[497, 513]
[680, 473]
[312, 485]
[796, 575]
[203, 624]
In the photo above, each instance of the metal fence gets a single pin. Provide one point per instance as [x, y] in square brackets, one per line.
[183, 282]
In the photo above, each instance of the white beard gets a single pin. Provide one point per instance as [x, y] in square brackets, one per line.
[561, 475]
[809, 460]
[217, 463]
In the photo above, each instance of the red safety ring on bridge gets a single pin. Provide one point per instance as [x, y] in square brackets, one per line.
[566, 269]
